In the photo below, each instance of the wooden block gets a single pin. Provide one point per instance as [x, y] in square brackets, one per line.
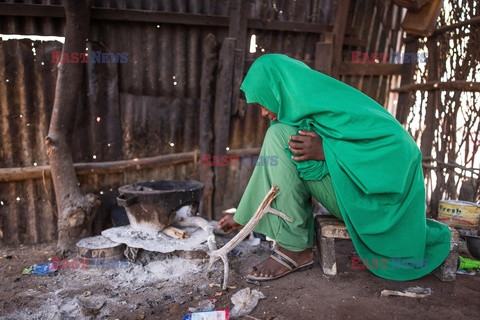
[175, 233]
[100, 247]
[332, 228]
[327, 256]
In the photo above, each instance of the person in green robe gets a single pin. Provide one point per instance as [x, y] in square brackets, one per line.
[331, 141]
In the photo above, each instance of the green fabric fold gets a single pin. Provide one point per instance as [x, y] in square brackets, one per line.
[309, 169]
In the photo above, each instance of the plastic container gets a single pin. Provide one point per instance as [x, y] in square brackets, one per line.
[459, 214]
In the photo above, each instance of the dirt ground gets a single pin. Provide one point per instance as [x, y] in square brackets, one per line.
[167, 290]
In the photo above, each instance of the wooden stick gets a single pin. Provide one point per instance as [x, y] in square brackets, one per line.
[442, 86]
[263, 208]
[109, 167]
[175, 233]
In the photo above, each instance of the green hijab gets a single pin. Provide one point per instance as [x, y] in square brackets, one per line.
[374, 164]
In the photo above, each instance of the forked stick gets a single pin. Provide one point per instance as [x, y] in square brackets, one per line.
[245, 231]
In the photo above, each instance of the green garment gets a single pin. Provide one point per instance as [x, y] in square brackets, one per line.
[293, 199]
[374, 164]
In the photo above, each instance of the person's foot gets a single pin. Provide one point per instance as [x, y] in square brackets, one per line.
[272, 268]
[228, 225]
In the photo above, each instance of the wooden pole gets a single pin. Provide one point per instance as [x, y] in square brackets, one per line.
[112, 167]
[207, 88]
[223, 101]
[405, 98]
[238, 30]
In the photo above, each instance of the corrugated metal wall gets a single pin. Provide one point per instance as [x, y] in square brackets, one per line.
[143, 108]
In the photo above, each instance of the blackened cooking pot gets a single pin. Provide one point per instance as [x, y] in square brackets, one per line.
[151, 206]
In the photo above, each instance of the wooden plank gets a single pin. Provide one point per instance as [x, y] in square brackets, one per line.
[440, 86]
[324, 54]
[32, 10]
[423, 21]
[288, 26]
[111, 14]
[56, 11]
[158, 17]
[370, 69]
[332, 228]
[356, 42]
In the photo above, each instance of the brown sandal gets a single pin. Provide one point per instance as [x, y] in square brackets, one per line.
[284, 260]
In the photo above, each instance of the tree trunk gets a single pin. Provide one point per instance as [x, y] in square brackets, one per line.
[75, 210]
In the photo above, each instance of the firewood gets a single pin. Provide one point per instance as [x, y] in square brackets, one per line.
[175, 233]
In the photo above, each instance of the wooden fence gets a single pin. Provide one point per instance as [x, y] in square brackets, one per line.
[175, 99]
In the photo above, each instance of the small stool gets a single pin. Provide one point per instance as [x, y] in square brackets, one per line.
[329, 229]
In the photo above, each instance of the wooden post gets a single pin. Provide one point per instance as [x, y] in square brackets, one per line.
[431, 123]
[340, 24]
[75, 210]
[405, 99]
[209, 65]
[223, 101]
[238, 29]
[432, 102]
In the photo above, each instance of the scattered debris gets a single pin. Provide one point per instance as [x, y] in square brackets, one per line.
[252, 241]
[412, 292]
[204, 305]
[90, 308]
[40, 268]
[245, 300]
[467, 272]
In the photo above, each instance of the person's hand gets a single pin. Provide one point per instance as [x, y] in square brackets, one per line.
[228, 225]
[306, 146]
